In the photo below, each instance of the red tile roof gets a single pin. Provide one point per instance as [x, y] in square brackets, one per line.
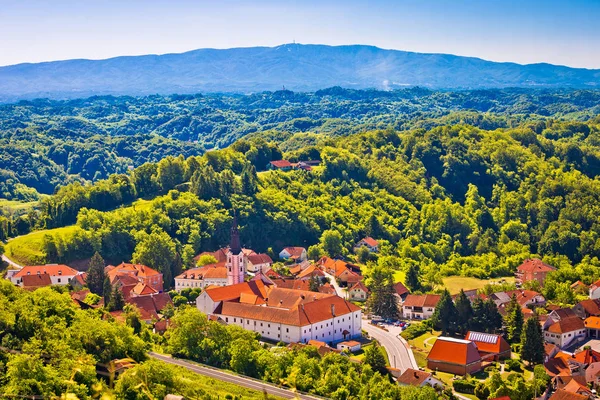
[454, 351]
[488, 342]
[294, 252]
[209, 271]
[562, 394]
[400, 289]
[587, 356]
[567, 325]
[36, 281]
[327, 288]
[260, 258]
[591, 307]
[534, 265]
[141, 289]
[413, 377]
[281, 163]
[232, 292]
[523, 296]
[133, 269]
[360, 286]
[309, 272]
[592, 322]
[370, 241]
[50, 269]
[421, 300]
[292, 284]
[557, 366]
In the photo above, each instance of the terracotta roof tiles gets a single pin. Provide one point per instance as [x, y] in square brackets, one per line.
[454, 351]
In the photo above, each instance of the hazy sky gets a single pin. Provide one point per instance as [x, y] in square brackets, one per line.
[526, 31]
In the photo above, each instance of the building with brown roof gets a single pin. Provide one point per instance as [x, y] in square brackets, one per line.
[415, 377]
[151, 306]
[420, 306]
[32, 282]
[358, 292]
[455, 356]
[291, 284]
[594, 290]
[258, 263]
[201, 277]
[142, 273]
[281, 314]
[281, 165]
[59, 274]
[297, 254]
[371, 244]
[533, 269]
[562, 394]
[587, 308]
[491, 347]
[565, 332]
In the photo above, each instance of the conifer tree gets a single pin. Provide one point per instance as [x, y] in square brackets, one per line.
[116, 300]
[444, 317]
[514, 320]
[106, 291]
[532, 342]
[95, 275]
[464, 312]
[374, 357]
[413, 280]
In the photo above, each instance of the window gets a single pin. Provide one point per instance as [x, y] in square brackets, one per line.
[287, 330]
[234, 320]
[269, 325]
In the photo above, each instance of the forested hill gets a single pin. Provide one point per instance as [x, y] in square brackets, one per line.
[295, 66]
[45, 144]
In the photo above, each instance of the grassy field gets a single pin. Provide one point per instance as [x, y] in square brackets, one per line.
[27, 249]
[455, 283]
[16, 207]
[422, 345]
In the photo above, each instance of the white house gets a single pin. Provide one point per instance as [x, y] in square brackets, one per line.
[371, 244]
[297, 254]
[209, 275]
[288, 315]
[60, 274]
[594, 290]
[358, 292]
[419, 306]
[565, 332]
[350, 345]
[258, 263]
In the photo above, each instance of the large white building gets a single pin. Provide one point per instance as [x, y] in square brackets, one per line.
[202, 277]
[287, 315]
[59, 274]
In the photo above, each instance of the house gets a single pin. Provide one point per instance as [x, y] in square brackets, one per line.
[309, 273]
[350, 345]
[151, 306]
[400, 292]
[292, 284]
[343, 272]
[592, 325]
[455, 356]
[562, 394]
[557, 315]
[202, 277]
[491, 347]
[281, 314]
[415, 377]
[297, 254]
[526, 298]
[565, 331]
[420, 306]
[358, 292]
[32, 282]
[369, 243]
[327, 288]
[281, 165]
[587, 308]
[550, 351]
[59, 274]
[142, 273]
[533, 269]
[594, 290]
[258, 262]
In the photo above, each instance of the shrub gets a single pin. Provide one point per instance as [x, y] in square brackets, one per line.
[415, 330]
[513, 365]
[464, 386]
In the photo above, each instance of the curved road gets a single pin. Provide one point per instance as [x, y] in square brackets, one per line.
[10, 262]
[399, 352]
[235, 379]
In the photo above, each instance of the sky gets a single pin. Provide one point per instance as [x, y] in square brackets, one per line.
[563, 32]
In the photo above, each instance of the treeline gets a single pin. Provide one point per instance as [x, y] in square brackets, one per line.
[47, 144]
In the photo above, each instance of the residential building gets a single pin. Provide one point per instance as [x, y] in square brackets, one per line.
[415, 377]
[281, 165]
[358, 292]
[350, 345]
[565, 332]
[491, 347]
[562, 394]
[280, 314]
[202, 277]
[587, 308]
[258, 262]
[59, 274]
[592, 326]
[400, 292]
[141, 273]
[594, 290]
[369, 243]
[455, 356]
[298, 254]
[420, 306]
[32, 282]
[533, 269]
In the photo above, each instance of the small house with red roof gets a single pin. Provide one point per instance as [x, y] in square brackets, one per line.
[59, 274]
[565, 331]
[298, 254]
[455, 356]
[140, 272]
[358, 292]
[201, 277]
[415, 377]
[400, 292]
[562, 394]
[594, 290]
[258, 263]
[587, 308]
[420, 306]
[491, 347]
[281, 165]
[533, 270]
[371, 244]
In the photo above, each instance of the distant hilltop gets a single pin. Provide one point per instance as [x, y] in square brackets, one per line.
[297, 67]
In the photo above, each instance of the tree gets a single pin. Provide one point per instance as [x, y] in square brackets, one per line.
[156, 250]
[133, 317]
[363, 254]
[514, 320]
[314, 252]
[413, 281]
[116, 302]
[106, 291]
[331, 243]
[206, 259]
[249, 180]
[464, 312]
[314, 284]
[532, 342]
[375, 359]
[444, 317]
[95, 274]
[381, 301]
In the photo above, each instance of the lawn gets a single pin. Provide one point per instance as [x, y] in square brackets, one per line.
[360, 355]
[27, 249]
[422, 345]
[455, 283]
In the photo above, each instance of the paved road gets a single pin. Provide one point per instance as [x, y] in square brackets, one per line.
[10, 262]
[235, 379]
[399, 352]
[338, 289]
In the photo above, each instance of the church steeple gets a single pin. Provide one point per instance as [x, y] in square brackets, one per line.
[234, 245]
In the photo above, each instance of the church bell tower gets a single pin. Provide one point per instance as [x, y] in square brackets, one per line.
[235, 257]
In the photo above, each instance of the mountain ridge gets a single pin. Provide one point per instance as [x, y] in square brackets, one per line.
[298, 67]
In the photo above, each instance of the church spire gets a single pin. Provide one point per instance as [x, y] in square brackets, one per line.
[234, 244]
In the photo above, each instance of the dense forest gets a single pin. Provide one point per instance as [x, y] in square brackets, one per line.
[46, 144]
